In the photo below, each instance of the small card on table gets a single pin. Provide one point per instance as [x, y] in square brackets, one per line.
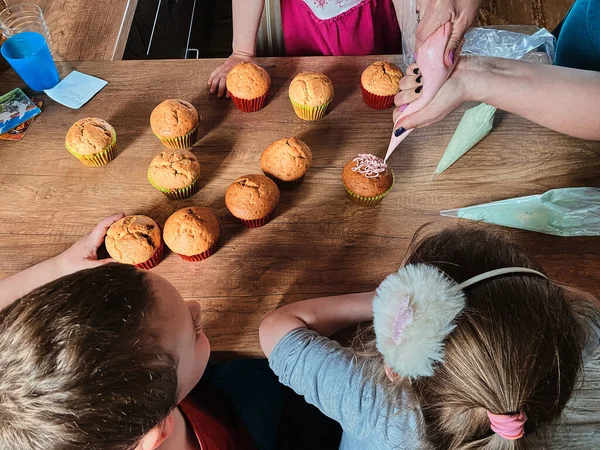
[18, 133]
[16, 108]
[76, 89]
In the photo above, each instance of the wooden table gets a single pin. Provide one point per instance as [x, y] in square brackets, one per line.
[87, 30]
[319, 242]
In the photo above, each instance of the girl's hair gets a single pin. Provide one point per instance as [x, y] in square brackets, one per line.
[517, 345]
[80, 365]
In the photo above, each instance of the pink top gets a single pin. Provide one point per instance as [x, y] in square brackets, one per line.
[340, 27]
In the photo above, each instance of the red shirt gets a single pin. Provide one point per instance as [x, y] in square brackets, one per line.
[214, 424]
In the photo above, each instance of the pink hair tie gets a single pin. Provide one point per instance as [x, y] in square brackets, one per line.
[508, 426]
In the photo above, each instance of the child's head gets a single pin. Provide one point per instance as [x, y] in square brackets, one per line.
[97, 360]
[516, 346]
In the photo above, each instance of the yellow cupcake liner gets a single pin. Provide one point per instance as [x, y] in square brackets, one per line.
[177, 194]
[369, 201]
[310, 112]
[180, 142]
[97, 159]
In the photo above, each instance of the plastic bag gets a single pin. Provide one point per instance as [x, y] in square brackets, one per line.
[408, 26]
[476, 124]
[559, 212]
[536, 47]
[510, 44]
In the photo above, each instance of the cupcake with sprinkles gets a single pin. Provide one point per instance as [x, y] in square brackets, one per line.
[367, 179]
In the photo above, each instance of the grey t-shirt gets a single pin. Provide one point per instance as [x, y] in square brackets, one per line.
[330, 377]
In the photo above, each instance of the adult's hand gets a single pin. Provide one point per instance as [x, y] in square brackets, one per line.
[452, 94]
[218, 77]
[435, 13]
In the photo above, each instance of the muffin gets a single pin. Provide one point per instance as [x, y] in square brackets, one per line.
[252, 199]
[310, 94]
[92, 141]
[175, 173]
[367, 179]
[135, 240]
[380, 82]
[286, 161]
[175, 123]
[248, 86]
[192, 233]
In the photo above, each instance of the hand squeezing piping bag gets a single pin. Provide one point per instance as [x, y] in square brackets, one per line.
[430, 59]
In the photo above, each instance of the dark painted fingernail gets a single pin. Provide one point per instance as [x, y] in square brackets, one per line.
[416, 71]
[399, 131]
[451, 56]
[419, 78]
[418, 90]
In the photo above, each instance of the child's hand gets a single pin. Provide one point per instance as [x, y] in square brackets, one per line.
[435, 13]
[83, 254]
[217, 79]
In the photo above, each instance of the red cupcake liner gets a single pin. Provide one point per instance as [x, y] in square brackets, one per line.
[154, 260]
[201, 257]
[257, 223]
[251, 105]
[377, 101]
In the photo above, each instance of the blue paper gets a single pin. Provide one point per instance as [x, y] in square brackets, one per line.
[76, 89]
[16, 108]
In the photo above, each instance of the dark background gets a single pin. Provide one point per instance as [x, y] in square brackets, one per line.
[211, 31]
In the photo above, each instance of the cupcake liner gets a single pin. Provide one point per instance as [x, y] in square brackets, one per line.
[369, 201]
[310, 112]
[200, 257]
[154, 260]
[377, 101]
[181, 142]
[249, 105]
[257, 223]
[177, 194]
[286, 185]
[97, 159]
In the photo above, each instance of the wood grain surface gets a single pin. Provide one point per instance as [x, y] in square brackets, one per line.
[542, 13]
[319, 242]
[87, 30]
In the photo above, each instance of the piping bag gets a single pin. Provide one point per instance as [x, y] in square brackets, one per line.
[430, 59]
[560, 212]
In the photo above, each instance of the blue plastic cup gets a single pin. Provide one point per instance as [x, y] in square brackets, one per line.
[29, 55]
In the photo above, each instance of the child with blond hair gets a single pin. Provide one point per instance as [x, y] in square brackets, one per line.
[472, 346]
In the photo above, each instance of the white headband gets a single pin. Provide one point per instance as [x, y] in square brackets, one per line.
[415, 309]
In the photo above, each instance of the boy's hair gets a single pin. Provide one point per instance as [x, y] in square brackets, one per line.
[517, 345]
[80, 364]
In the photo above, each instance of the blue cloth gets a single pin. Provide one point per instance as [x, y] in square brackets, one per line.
[579, 39]
[330, 377]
